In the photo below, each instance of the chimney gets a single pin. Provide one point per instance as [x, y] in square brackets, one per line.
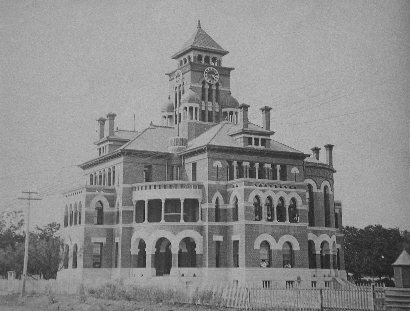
[244, 115]
[111, 117]
[315, 151]
[329, 154]
[101, 122]
[266, 117]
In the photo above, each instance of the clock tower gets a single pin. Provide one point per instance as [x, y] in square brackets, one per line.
[199, 88]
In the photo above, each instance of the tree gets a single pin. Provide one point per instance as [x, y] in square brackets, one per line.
[372, 250]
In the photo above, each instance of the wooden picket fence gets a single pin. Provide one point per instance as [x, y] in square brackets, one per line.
[301, 299]
[359, 298]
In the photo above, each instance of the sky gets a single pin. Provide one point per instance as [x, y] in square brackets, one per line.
[332, 71]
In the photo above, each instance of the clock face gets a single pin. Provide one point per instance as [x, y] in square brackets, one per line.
[211, 75]
[178, 77]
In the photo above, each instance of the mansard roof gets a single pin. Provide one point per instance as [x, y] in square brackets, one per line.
[200, 40]
[220, 135]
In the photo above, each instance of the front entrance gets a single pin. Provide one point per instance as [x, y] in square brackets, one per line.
[163, 257]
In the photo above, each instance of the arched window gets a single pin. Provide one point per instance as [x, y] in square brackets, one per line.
[75, 214]
[327, 205]
[235, 209]
[113, 175]
[269, 209]
[91, 179]
[79, 213]
[257, 208]
[280, 210]
[288, 258]
[217, 211]
[311, 212]
[324, 255]
[338, 259]
[95, 179]
[71, 215]
[187, 253]
[74, 256]
[100, 178]
[99, 213]
[206, 60]
[66, 255]
[203, 91]
[217, 94]
[312, 254]
[109, 177]
[66, 216]
[293, 211]
[199, 58]
[189, 58]
[104, 178]
[264, 255]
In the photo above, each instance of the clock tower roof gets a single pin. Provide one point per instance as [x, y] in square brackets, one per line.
[200, 40]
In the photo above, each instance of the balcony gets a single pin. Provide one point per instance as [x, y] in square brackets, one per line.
[167, 190]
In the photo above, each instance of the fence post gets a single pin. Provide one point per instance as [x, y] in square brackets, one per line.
[321, 299]
[374, 297]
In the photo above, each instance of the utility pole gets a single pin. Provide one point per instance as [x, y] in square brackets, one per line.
[27, 237]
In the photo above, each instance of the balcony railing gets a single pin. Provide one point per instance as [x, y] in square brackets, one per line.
[167, 189]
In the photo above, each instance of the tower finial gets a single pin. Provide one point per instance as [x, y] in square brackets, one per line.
[199, 23]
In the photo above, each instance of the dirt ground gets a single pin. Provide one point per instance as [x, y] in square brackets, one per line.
[64, 303]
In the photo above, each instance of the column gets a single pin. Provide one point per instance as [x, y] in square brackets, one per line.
[235, 170]
[277, 172]
[213, 104]
[245, 169]
[257, 170]
[174, 269]
[182, 210]
[318, 266]
[287, 212]
[146, 211]
[163, 210]
[268, 169]
[148, 262]
[275, 218]
[199, 211]
[206, 102]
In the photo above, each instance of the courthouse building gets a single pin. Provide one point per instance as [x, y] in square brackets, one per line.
[206, 196]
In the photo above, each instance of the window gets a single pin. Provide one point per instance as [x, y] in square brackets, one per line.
[116, 255]
[283, 173]
[263, 142]
[91, 179]
[113, 175]
[199, 58]
[257, 208]
[266, 284]
[66, 216]
[117, 218]
[74, 256]
[99, 214]
[293, 211]
[75, 214]
[280, 210]
[235, 209]
[327, 206]
[217, 254]
[290, 284]
[336, 220]
[109, 177]
[311, 212]
[235, 253]
[206, 60]
[338, 259]
[327, 284]
[256, 142]
[269, 209]
[312, 254]
[249, 141]
[313, 284]
[97, 255]
[148, 173]
[71, 215]
[287, 253]
[194, 171]
[79, 213]
[217, 211]
[264, 254]
[66, 254]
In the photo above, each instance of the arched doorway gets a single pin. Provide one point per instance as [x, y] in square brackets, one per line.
[163, 257]
[324, 255]
[312, 254]
[187, 253]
